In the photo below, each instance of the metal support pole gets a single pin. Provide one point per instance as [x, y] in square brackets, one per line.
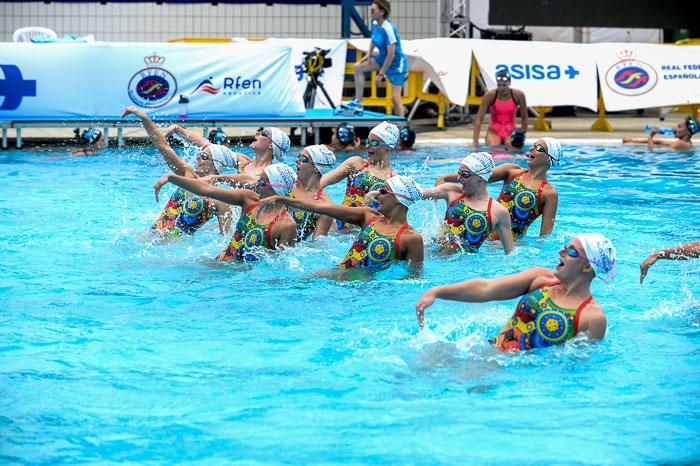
[317, 135]
[120, 137]
[4, 138]
[303, 136]
[106, 137]
[18, 143]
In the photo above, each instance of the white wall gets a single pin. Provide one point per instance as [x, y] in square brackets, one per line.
[148, 22]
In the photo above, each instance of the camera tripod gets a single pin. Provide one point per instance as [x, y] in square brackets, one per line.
[314, 68]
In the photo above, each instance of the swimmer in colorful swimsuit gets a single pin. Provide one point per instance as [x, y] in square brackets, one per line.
[385, 235]
[526, 193]
[261, 226]
[269, 144]
[185, 213]
[312, 163]
[684, 131]
[503, 103]
[471, 214]
[366, 175]
[554, 307]
[344, 139]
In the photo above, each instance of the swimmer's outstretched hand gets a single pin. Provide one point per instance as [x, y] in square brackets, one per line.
[210, 179]
[644, 266]
[165, 179]
[131, 110]
[369, 198]
[423, 303]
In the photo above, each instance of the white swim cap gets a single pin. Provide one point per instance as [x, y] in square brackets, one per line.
[406, 190]
[282, 178]
[224, 159]
[322, 156]
[600, 254]
[280, 143]
[387, 132]
[480, 163]
[553, 150]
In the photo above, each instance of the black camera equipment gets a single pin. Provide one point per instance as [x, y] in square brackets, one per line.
[312, 65]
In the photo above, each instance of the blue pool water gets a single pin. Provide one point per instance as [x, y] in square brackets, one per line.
[115, 348]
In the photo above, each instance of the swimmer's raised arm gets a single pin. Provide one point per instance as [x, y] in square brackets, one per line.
[176, 164]
[448, 178]
[355, 215]
[504, 171]
[237, 180]
[342, 171]
[187, 136]
[682, 252]
[241, 197]
[441, 191]
[481, 290]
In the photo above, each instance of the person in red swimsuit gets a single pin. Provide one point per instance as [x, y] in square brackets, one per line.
[503, 103]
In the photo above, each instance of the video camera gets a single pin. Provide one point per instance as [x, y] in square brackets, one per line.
[314, 62]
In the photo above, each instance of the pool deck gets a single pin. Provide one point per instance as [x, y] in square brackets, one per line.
[568, 129]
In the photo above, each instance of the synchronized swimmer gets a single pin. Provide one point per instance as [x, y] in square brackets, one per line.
[282, 207]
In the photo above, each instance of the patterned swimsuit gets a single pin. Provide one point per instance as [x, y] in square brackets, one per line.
[305, 220]
[523, 204]
[183, 214]
[372, 249]
[360, 184]
[249, 237]
[465, 228]
[539, 323]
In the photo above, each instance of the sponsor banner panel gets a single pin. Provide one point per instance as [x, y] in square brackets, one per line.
[549, 73]
[73, 81]
[333, 76]
[644, 75]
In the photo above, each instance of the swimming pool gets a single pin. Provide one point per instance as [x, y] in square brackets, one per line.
[117, 348]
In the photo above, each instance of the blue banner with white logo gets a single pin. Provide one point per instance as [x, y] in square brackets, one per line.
[169, 81]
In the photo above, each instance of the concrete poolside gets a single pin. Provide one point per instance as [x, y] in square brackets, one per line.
[570, 129]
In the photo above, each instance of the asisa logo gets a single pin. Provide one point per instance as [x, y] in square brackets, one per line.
[206, 86]
[630, 77]
[153, 86]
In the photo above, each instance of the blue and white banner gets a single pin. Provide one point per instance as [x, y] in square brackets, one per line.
[170, 81]
[549, 73]
[643, 75]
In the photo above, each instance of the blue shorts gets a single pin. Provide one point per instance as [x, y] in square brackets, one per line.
[395, 75]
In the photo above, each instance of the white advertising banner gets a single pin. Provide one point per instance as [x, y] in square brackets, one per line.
[96, 81]
[643, 75]
[333, 76]
[549, 73]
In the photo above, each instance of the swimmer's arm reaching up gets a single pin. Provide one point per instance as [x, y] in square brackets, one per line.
[187, 136]
[342, 171]
[241, 197]
[355, 215]
[504, 171]
[442, 191]
[176, 164]
[481, 290]
[236, 180]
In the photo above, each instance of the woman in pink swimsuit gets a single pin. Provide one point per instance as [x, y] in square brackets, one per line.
[503, 103]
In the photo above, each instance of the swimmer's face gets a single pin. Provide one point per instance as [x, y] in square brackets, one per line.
[466, 177]
[377, 149]
[502, 84]
[572, 261]
[305, 165]
[681, 129]
[537, 155]
[262, 141]
[205, 165]
[263, 187]
[386, 199]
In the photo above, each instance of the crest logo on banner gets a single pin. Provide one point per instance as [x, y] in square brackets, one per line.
[152, 86]
[629, 76]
